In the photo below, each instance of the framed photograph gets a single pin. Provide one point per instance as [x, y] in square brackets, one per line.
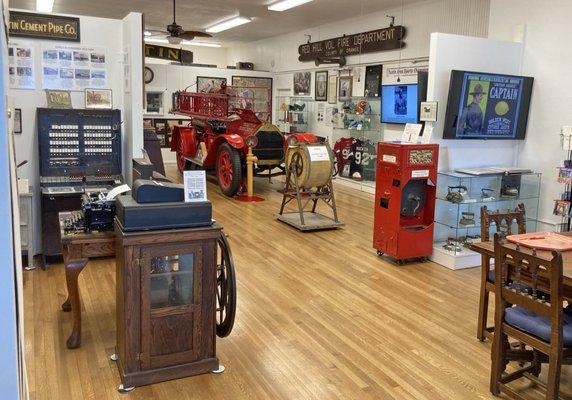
[372, 80]
[17, 120]
[207, 84]
[332, 89]
[428, 111]
[302, 83]
[321, 86]
[58, 98]
[345, 88]
[98, 98]
[254, 93]
[154, 102]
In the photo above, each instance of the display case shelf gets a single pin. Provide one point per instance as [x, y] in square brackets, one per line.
[293, 113]
[448, 214]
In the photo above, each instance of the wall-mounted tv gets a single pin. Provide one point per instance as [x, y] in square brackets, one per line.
[399, 103]
[487, 106]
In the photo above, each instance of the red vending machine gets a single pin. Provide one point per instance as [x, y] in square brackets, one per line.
[405, 190]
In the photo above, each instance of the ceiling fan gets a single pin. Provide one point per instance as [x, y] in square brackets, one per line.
[175, 33]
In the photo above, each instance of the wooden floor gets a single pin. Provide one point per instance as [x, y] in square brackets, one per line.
[319, 316]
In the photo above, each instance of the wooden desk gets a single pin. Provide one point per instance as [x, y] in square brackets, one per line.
[487, 249]
[77, 249]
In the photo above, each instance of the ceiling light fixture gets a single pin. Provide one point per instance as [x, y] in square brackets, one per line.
[147, 33]
[228, 24]
[44, 5]
[287, 4]
[185, 42]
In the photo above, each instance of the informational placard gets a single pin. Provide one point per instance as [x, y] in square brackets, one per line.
[411, 133]
[428, 111]
[195, 183]
[427, 133]
[21, 63]
[71, 67]
[318, 153]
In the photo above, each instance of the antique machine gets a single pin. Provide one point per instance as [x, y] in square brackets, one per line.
[80, 151]
[223, 126]
[309, 171]
[405, 199]
[176, 288]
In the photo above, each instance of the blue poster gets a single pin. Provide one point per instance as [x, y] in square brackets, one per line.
[489, 106]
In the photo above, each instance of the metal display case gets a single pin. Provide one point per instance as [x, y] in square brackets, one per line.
[458, 206]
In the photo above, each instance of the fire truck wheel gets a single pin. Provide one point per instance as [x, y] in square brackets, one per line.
[228, 169]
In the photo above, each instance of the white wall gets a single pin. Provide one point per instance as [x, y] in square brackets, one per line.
[132, 86]
[94, 32]
[170, 78]
[450, 52]
[280, 54]
[544, 28]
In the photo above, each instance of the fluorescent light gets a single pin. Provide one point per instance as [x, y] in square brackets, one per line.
[287, 4]
[185, 42]
[147, 33]
[228, 24]
[44, 5]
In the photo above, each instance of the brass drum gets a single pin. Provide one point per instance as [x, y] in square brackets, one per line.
[313, 163]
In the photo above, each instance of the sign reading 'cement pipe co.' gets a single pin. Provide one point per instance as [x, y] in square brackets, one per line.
[42, 26]
[360, 43]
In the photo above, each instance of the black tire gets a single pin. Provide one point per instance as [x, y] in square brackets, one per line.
[226, 288]
[229, 170]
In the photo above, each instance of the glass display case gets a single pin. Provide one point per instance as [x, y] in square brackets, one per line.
[461, 196]
[356, 132]
[293, 113]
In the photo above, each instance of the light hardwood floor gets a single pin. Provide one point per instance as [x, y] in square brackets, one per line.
[319, 316]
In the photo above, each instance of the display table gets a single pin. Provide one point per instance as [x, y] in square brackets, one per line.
[78, 248]
[487, 249]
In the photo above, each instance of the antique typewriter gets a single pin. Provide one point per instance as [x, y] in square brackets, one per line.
[96, 214]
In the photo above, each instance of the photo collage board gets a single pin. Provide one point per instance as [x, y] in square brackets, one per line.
[21, 67]
[73, 67]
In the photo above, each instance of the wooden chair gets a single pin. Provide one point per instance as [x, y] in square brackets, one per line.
[503, 222]
[526, 316]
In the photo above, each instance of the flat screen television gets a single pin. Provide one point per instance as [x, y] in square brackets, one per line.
[487, 106]
[399, 104]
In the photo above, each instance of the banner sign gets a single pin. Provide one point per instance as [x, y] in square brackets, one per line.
[404, 71]
[42, 26]
[169, 53]
[360, 43]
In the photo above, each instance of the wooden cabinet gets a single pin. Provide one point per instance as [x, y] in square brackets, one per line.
[166, 301]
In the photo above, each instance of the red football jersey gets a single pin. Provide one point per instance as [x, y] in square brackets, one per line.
[344, 155]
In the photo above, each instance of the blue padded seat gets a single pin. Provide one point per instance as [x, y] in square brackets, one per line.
[537, 325]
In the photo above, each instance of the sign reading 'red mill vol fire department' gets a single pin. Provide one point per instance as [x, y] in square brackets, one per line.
[367, 42]
[42, 26]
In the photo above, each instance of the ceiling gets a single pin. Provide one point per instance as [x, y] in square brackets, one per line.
[199, 14]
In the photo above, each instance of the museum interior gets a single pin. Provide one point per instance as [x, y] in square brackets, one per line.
[286, 199]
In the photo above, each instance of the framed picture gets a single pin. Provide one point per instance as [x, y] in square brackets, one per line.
[98, 98]
[302, 83]
[345, 88]
[321, 86]
[154, 102]
[58, 98]
[372, 80]
[17, 120]
[254, 93]
[207, 84]
[332, 89]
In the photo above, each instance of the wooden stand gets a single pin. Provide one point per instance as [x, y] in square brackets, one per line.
[307, 220]
[166, 304]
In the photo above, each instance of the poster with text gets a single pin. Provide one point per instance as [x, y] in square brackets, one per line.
[72, 67]
[21, 67]
[489, 106]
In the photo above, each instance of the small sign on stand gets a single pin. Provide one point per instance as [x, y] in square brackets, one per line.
[411, 133]
[195, 183]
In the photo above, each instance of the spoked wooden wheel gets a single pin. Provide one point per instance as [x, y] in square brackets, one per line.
[226, 288]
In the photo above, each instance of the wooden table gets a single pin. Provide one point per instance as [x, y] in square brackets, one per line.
[78, 248]
[487, 249]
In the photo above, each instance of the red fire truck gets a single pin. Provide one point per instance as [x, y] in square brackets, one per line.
[222, 127]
